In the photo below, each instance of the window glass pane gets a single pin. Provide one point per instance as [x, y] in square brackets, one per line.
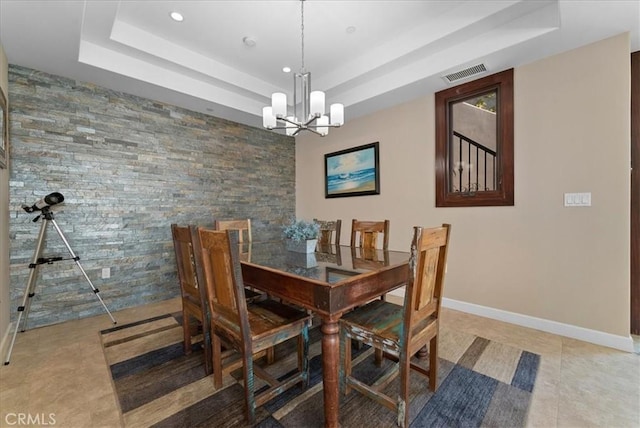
[473, 144]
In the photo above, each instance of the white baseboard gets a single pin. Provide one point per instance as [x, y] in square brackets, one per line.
[4, 344]
[623, 343]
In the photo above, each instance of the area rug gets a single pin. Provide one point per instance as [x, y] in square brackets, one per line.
[481, 383]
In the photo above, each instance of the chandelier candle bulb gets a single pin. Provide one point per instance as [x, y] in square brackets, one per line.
[268, 119]
[323, 120]
[317, 103]
[337, 114]
[279, 104]
[290, 129]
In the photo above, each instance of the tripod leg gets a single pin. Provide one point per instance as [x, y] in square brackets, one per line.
[77, 260]
[29, 292]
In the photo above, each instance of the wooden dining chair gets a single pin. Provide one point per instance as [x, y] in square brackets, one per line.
[244, 243]
[193, 297]
[364, 234]
[329, 229]
[248, 328]
[401, 331]
[242, 226]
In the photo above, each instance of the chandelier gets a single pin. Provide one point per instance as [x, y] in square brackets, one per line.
[308, 111]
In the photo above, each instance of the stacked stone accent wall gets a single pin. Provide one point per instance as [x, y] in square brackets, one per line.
[128, 167]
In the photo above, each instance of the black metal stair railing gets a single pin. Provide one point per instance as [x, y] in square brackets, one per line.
[475, 167]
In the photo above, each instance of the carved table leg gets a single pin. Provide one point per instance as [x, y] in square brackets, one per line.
[330, 366]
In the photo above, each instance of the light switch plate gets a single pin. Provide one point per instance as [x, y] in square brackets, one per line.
[577, 199]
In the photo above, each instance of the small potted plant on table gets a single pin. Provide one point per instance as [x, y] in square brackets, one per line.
[302, 236]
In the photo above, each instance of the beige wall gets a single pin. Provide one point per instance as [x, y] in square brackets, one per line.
[537, 258]
[4, 223]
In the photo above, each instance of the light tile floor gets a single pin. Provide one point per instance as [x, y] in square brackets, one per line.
[58, 375]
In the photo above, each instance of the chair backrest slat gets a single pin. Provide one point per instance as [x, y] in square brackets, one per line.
[364, 234]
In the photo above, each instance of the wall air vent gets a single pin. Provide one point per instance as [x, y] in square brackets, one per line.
[463, 74]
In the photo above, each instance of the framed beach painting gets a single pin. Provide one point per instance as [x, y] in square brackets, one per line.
[352, 172]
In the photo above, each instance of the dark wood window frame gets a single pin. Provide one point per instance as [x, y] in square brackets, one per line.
[635, 193]
[504, 194]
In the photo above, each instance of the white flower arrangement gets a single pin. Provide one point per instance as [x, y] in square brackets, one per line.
[301, 230]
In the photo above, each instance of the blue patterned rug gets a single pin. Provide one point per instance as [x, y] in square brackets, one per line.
[481, 383]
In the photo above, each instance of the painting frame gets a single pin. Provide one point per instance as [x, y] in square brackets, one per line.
[352, 172]
[4, 131]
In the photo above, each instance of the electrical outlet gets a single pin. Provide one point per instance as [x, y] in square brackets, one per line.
[106, 273]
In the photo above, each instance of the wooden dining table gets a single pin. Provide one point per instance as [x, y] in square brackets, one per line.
[329, 283]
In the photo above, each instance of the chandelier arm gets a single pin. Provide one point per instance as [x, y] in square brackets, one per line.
[312, 130]
[329, 125]
[298, 130]
[293, 122]
[310, 121]
[285, 127]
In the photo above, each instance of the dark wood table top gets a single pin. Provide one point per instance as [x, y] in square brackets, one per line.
[322, 265]
[328, 281]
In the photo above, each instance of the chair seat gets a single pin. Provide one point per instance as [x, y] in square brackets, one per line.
[268, 316]
[267, 319]
[376, 318]
[380, 323]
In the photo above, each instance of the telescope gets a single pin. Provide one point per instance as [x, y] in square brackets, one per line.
[43, 205]
[49, 200]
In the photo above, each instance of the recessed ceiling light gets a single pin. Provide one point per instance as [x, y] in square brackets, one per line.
[286, 69]
[176, 16]
[351, 30]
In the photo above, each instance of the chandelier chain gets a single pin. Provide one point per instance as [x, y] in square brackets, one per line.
[302, 31]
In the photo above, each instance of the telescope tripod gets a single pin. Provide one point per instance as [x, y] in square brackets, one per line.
[47, 216]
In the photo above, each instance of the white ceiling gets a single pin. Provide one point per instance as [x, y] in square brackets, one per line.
[399, 50]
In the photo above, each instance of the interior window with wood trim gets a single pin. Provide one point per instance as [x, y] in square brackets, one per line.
[474, 143]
